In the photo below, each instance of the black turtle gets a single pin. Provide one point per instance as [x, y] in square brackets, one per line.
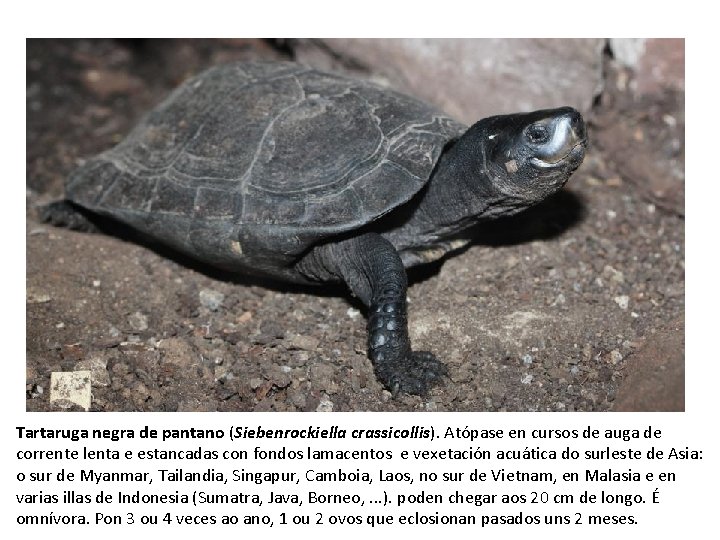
[280, 170]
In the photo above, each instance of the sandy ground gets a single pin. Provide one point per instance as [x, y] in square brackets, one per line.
[546, 311]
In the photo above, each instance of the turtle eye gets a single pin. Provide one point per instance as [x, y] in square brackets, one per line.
[537, 133]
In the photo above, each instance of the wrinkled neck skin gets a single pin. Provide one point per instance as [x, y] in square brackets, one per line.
[463, 190]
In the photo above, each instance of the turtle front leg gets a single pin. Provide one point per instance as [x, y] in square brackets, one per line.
[373, 270]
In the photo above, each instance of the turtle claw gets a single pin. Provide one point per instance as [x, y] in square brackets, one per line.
[415, 373]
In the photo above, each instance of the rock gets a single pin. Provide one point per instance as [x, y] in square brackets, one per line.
[225, 392]
[178, 352]
[325, 405]
[262, 391]
[623, 301]
[138, 321]
[245, 317]
[211, 299]
[279, 377]
[321, 374]
[640, 120]
[613, 275]
[36, 296]
[627, 51]
[106, 83]
[655, 374]
[96, 364]
[472, 78]
[298, 397]
[658, 64]
[303, 343]
[268, 332]
[31, 372]
[615, 357]
[36, 391]
[234, 337]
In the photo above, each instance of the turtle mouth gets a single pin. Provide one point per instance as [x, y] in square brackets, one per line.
[575, 154]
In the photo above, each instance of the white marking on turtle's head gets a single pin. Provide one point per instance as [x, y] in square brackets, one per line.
[235, 247]
[491, 137]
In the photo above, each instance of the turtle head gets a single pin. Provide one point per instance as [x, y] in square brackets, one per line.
[531, 155]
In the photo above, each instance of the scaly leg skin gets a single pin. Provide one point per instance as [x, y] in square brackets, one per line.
[373, 270]
[65, 214]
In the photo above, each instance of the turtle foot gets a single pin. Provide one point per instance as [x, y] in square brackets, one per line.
[414, 373]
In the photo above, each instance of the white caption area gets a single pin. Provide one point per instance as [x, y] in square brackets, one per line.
[592, 474]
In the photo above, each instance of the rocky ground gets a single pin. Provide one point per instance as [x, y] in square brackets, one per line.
[578, 305]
